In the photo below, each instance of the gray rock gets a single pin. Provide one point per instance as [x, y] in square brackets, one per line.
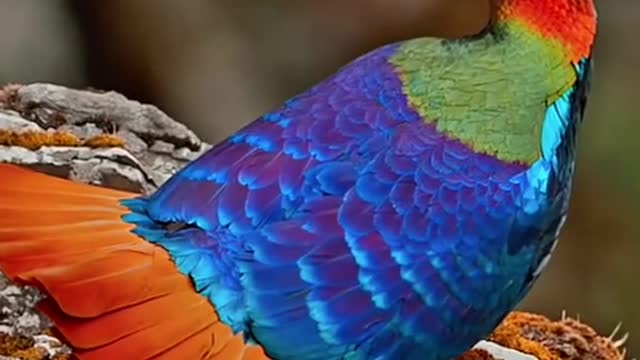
[156, 147]
[49, 105]
[11, 120]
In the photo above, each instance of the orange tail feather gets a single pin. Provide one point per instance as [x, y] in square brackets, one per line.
[112, 295]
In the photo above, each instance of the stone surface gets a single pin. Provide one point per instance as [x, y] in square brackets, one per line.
[155, 147]
[498, 351]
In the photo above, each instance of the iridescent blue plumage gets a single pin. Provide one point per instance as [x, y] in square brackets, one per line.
[343, 225]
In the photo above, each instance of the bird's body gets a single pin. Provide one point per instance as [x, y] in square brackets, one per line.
[397, 210]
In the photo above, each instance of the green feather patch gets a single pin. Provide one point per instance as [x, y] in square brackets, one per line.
[491, 92]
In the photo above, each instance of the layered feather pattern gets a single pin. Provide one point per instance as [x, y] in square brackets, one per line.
[112, 295]
[397, 210]
[346, 217]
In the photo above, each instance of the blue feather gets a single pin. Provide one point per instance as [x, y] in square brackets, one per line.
[343, 226]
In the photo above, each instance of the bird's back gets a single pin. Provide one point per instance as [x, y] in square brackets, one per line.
[347, 216]
[397, 210]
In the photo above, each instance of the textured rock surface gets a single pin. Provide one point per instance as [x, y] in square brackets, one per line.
[155, 145]
[50, 128]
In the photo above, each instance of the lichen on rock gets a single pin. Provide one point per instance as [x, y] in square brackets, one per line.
[98, 137]
[87, 136]
[565, 339]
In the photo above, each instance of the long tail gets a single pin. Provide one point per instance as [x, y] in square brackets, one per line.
[112, 295]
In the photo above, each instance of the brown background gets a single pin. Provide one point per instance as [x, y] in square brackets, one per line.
[218, 64]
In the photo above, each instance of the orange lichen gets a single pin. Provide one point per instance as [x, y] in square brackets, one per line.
[34, 140]
[34, 353]
[104, 141]
[10, 344]
[476, 354]
[22, 347]
[62, 357]
[510, 334]
[566, 339]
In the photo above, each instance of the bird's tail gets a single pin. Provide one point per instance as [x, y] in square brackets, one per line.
[111, 294]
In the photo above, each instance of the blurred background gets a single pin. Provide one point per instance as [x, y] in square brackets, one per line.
[218, 64]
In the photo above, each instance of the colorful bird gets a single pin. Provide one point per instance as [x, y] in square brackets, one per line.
[397, 210]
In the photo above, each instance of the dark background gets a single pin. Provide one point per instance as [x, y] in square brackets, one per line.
[218, 64]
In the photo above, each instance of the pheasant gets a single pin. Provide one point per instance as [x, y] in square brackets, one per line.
[399, 209]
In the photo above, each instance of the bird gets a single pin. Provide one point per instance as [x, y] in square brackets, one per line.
[398, 209]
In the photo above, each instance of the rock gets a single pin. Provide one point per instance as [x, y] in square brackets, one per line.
[498, 351]
[10, 120]
[59, 124]
[52, 106]
[155, 146]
